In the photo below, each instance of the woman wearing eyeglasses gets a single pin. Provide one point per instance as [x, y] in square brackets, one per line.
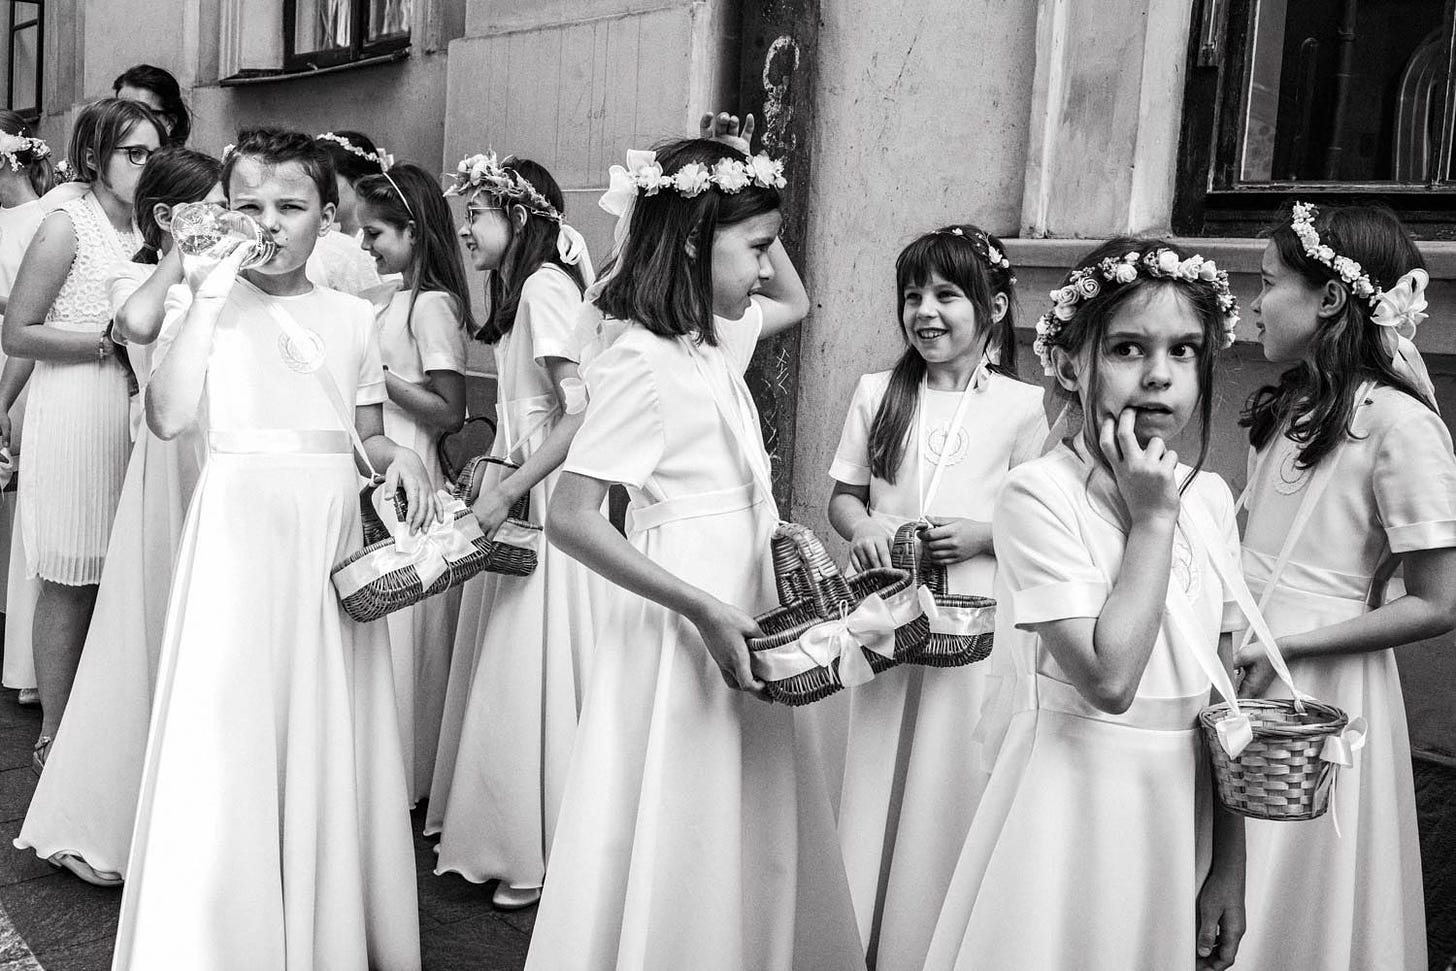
[77, 430]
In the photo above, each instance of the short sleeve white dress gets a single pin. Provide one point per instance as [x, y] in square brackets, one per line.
[431, 338]
[526, 641]
[1317, 898]
[909, 792]
[1089, 844]
[695, 831]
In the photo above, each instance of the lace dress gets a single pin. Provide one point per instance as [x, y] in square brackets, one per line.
[77, 423]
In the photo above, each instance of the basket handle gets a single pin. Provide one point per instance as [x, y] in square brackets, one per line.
[816, 571]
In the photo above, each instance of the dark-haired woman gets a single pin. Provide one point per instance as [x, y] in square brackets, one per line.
[78, 406]
[405, 224]
[158, 89]
[84, 805]
[523, 643]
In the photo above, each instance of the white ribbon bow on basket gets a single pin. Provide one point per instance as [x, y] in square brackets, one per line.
[432, 550]
[871, 626]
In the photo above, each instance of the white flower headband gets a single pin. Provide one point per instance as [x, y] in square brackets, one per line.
[1087, 282]
[643, 174]
[987, 251]
[379, 157]
[11, 147]
[1402, 307]
[484, 173]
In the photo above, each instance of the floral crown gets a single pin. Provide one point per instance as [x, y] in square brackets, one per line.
[379, 157]
[986, 250]
[483, 173]
[1085, 283]
[12, 146]
[643, 174]
[1401, 307]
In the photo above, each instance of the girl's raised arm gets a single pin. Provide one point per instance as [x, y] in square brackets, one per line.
[139, 319]
[42, 273]
[783, 299]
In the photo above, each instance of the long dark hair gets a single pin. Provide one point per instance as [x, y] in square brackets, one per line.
[38, 168]
[957, 254]
[1316, 399]
[161, 83]
[1091, 317]
[172, 176]
[413, 197]
[531, 247]
[653, 279]
[100, 127]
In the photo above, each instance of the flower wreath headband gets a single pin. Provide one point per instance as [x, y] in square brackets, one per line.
[1087, 282]
[380, 158]
[986, 250]
[1401, 308]
[485, 173]
[12, 146]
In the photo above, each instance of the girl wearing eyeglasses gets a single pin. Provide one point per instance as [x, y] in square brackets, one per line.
[77, 415]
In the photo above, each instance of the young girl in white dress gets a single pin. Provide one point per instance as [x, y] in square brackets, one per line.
[529, 652]
[1350, 432]
[696, 830]
[25, 174]
[272, 827]
[405, 224]
[930, 440]
[84, 805]
[338, 262]
[1089, 848]
[78, 406]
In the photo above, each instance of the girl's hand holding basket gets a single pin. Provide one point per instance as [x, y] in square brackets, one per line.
[725, 631]
[1251, 661]
[407, 472]
[492, 507]
[870, 547]
[950, 541]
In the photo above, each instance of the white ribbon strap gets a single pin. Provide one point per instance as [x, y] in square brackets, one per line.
[927, 494]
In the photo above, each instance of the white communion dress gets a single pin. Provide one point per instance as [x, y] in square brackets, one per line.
[529, 652]
[1089, 844]
[85, 802]
[272, 828]
[909, 792]
[695, 831]
[431, 338]
[1317, 898]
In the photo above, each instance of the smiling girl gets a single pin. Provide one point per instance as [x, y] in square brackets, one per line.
[1087, 848]
[930, 440]
[405, 224]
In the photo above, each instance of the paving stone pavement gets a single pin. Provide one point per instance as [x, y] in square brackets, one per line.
[52, 921]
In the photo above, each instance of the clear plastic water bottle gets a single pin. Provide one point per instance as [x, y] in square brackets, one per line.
[207, 229]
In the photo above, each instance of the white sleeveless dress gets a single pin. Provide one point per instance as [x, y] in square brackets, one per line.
[79, 429]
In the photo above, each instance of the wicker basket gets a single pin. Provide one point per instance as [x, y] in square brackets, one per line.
[1281, 774]
[813, 592]
[396, 587]
[513, 548]
[964, 629]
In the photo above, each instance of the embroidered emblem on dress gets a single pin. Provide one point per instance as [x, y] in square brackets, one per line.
[1291, 478]
[303, 359]
[1185, 568]
[935, 444]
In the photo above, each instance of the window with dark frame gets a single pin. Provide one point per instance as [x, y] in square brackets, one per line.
[1319, 98]
[328, 33]
[23, 82]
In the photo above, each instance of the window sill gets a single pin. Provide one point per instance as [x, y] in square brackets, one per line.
[1040, 265]
[240, 80]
